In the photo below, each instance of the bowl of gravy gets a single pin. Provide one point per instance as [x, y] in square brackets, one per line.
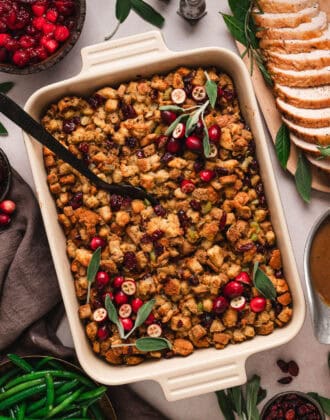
[317, 274]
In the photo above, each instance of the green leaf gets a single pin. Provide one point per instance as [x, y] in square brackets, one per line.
[262, 283]
[6, 86]
[175, 123]
[152, 344]
[212, 92]
[239, 8]
[282, 145]
[252, 388]
[92, 269]
[262, 394]
[123, 7]
[236, 28]
[323, 401]
[267, 77]
[206, 140]
[324, 150]
[142, 315]
[236, 397]
[112, 314]
[174, 108]
[303, 178]
[3, 131]
[225, 405]
[148, 13]
[193, 119]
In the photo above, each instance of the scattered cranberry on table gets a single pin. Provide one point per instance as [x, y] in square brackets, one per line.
[7, 208]
[32, 31]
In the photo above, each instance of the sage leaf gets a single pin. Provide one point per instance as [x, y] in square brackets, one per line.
[147, 12]
[262, 394]
[6, 86]
[324, 150]
[123, 7]
[142, 315]
[324, 402]
[262, 283]
[3, 131]
[171, 128]
[303, 178]
[252, 388]
[206, 140]
[239, 8]
[212, 92]
[282, 145]
[225, 405]
[237, 401]
[193, 119]
[112, 314]
[236, 28]
[92, 269]
[171, 108]
[152, 344]
[267, 77]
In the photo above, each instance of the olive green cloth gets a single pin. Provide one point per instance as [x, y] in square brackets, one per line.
[30, 301]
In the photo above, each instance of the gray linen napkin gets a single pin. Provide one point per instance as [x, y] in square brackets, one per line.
[30, 301]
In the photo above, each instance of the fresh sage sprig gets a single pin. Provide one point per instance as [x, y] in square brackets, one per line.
[243, 29]
[113, 316]
[262, 283]
[92, 269]
[211, 90]
[5, 88]
[148, 13]
[324, 150]
[282, 145]
[195, 116]
[171, 128]
[303, 178]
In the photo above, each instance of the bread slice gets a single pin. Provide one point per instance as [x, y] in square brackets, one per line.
[323, 164]
[305, 78]
[284, 6]
[295, 46]
[315, 97]
[312, 135]
[285, 20]
[302, 61]
[314, 118]
[312, 29]
[304, 145]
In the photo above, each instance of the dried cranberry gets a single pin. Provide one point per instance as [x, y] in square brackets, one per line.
[282, 365]
[83, 147]
[279, 273]
[159, 249]
[223, 221]
[96, 100]
[145, 239]
[131, 142]
[245, 247]
[229, 95]
[285, 380]
[183, 218]
[76, 201]
[140, 154]
[130, 261]
[260, 248]
[188, 88]
[159, 210]
[259, 189]
[179, 324]
[206, 320]
[195, 205]
[198, 165]
[199, 128]
[221, 171]
[68, 126]
[193, 280]
[167, 157]
[169, 354]
[116, 202]
[293, 368]
[278, 308]
[189, 77]
[157, 234]
[128, 111]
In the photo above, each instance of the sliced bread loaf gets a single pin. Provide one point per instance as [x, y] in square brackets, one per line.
[305, 117]
[305, 78]
[304, 145]
[285, 20]
[284, 6]
[323, 164]
[302, 61]
[315, 97]
[312, 135]
[312, 29]
[294, 46]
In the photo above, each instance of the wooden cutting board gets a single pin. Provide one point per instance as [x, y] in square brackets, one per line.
[321, 180]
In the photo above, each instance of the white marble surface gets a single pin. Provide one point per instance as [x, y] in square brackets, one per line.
[179, 35]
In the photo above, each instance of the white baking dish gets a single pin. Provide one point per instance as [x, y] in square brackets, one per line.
[122, 60]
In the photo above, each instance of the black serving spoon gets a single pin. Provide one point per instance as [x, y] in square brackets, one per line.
[16, 114]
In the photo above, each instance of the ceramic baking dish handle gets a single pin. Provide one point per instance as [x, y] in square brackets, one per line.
[123, 52]
[205, 378]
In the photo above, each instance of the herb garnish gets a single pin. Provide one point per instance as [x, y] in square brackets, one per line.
[92, 269]
[243, 29]
[323, 401]
[211, 90]
[303, 178]
[262, 283]
[5, 88]
[324, 150]
[148, 13]
[282, 145]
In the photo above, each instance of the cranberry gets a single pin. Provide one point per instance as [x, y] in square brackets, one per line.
[102, 279]
[4, 220]
[95, 100]
[62, 33]
[118, 281]
[65, 7]
[97, 242]
[50, 44]
[223, 221]
[168, 116]
[179, 131]
[38, 9]
[151, 319]
[125, 310]
[199, 128]
[173, 146]
[127, 323]
[22, 19]
[3, 55]
[221, 171]
[159, 210]
[48, 28]
[187, 186]
[131, 142]
[258, 304]
[7, 206]
[157, 234]
[206, 319]
[120, 298]
[183, 218]
[4, 38]
[110, 294]
[214, 132]
[52, 15]
[279, 273]
[76, 201]
[228, 94]
[206, 175]
[68, 126]
[116, 202]
[128, 111]
[220, 304]
[194, 143]
[26, 41]
[167, 157]
[38, 22]
[84, 147]
[102, 333]
[136, 304]
[220, 92]
[130, 261]
[20, 58]
[233, 289]
[243, 277]
[195, 205]
[198, 165]
[162, 140]
[159, 249]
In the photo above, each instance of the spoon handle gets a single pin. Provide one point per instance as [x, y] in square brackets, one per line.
[16, 114]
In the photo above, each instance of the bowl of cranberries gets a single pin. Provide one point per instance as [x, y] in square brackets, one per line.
[36, 34]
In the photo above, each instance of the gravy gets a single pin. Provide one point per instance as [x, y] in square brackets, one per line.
[319, 261]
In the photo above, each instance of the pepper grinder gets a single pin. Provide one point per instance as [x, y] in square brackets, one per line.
[192, 9]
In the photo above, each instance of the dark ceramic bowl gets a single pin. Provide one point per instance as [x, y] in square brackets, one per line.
[59, 54]
[5, 175]
[299, 394]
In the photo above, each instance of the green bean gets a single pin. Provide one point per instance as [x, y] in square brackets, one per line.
[67, 387]
[98, 392]
[8, 375]
[21, 363]
[9, 402]
[36, 405]
[20, 387]
[67, 402]
[50, 395]
[43, 362]
[21, 411]
[54, 373]
[95, 408]
[49, 360]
